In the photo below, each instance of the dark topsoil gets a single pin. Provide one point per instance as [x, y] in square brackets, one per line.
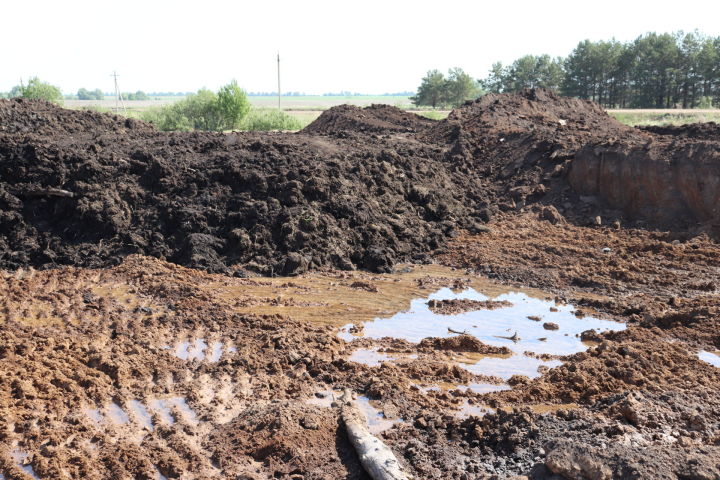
[358, 188]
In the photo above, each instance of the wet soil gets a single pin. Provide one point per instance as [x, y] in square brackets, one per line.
[143, 368]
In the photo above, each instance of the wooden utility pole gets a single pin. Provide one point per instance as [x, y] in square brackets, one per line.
[118, 95]
[279, 94]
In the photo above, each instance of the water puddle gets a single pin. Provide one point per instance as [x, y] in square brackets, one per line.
[472, 387]
[521, 323]
[199, 350]
[20, 459]
[371, 357]
[473, 410]
[713, 358]
[116, 414]
[377, 422]
[191, 351]
[164, 407]
[163, 411]
[141, 414]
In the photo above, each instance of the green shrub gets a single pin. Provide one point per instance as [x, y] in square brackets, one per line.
[204, 110]
[35, 89]
[264, 119]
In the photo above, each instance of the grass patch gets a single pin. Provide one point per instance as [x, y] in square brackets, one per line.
[434, 114]
[264, 119]
[657, 118]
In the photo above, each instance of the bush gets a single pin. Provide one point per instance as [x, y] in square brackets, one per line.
[270, 119]
[204, 110]
[35, 89]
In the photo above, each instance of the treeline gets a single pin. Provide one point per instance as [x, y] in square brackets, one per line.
[668, 70]
[436, 90]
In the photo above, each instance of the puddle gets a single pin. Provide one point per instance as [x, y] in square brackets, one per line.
[191, 351]
[94, 414]
[163, 411]
[215, 352]
[116, 414]
[199, 350]
[509, 366]
[371, 357]
[472, 387]
[508, 326]
[713, 358]
[20, 458]
[376, 420]
[473, 410]
[141, 414]
[164, 407]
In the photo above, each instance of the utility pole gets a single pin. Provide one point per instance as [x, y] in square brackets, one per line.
[118, 95]
[279, 94]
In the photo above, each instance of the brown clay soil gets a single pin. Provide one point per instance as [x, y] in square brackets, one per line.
[119, 243]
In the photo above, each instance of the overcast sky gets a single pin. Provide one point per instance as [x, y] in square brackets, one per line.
[373, 46]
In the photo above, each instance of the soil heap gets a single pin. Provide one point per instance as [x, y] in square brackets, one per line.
[358, 188]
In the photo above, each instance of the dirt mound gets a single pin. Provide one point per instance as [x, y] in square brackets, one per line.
[276, 203]
[462, 343]
[372, 119]
[697, 131]
[88, 189]
[18, 116]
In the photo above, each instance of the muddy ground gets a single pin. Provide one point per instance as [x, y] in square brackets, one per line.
[525, 192]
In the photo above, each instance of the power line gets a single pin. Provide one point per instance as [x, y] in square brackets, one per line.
[118, 95]
[278, 68]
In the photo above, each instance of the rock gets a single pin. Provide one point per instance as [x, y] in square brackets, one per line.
[575, 464]
[590, 336]
[552, 215]
[293, 264]
[551, 326]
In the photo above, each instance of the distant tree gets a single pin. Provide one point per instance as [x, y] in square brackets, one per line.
[35, 89]
[85, 94]
[233, 105]
[432, 90]
[139, 95]
[496, 80]
[461, 87]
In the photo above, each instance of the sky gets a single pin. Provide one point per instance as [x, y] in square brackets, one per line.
[373, 46]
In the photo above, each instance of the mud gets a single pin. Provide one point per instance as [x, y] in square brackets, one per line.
[529, 203]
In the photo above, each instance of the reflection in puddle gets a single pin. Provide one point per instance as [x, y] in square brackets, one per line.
[117, 414]
[508, 327]
[20, 459]
[713, 358]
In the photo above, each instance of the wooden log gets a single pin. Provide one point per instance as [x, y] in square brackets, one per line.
[376, 458]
